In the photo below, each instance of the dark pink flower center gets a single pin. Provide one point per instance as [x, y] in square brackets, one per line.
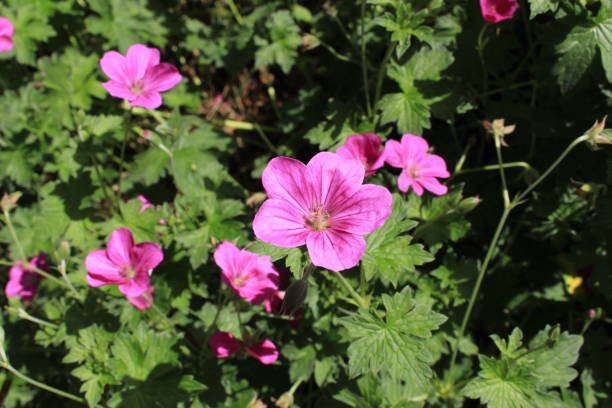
[318, 218]
[240, 280]
[137, 87]
[412, 171]
[127, 272]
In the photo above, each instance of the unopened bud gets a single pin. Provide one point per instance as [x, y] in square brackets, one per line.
[294, 297]
[468, 204]
[9, 201]
[63, 252]
[598, 134]
[256, 403]
[498, 129]
[285, 401]
[310, 42]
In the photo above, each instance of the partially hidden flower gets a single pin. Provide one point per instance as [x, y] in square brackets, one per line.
[24, 281]
[252, 276]
[367, 149]
[123, 263]
[322, 204]
[6, 34]
[145, 203]
[224, 344]
[143, 301]
[419, 168]
[138, 77]
[274, 305]
[495, 11]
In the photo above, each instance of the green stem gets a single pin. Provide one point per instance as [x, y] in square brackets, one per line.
[382, 71]
[9, 223]
[105, 188]
[235, 11]
[25, 315]
[480, 45]
[265, 139]
[127, 119]
[360, 301]
[40, 385]
[364, 69]
[524, 165]
[62, 270]
[502, 173]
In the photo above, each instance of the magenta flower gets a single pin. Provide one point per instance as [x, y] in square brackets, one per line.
[224, 344]
[6, 34]
[23, 281]
[495, 11]
[138, 77]
[366, 149]
[322, 204]
[419, 168]
[145, 203]
[143, 301]
[251, 276]
[123, 263]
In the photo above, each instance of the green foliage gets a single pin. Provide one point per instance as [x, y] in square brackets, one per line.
[281, 45]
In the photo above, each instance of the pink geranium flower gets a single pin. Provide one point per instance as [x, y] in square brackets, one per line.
[143, 301]
[322, 204]
[123, 263]
[366, 149]
[419, 168]
[250, 275]
[495, 11]
[138, 77]
[23, 281]
[274, 305]
[6, 34]
[224, 344]
[145, 203]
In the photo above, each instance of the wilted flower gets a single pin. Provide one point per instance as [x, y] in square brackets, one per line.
[143, 301]
[224, 344]
[322, 204]
[495, 11]
[24, 281]
[6, 34]
[419, 168]
[145, 203]
[366, 149]
[250, 275]
[123, 263]
[138, 77]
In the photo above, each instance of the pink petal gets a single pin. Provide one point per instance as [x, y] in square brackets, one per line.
[281, 223]
[404, 181]
[39, 261]
[413, 148]
[432, 166]
[393, 154]
[101, 270]
[139, 59]
[118, 90]
[113, 65]
[146, 256]
[119, 247]
[149, 100]
[136, 286]
[364, 212]
[333, 178]
[433, 185]
[287, 179]
[6, 27]
[335, 250]
[224, 344]
[495, 11]
[13, 286]
[143, 301]
[224, 256]
[161, 77]
[265, 351]
[365, 149]
[6, 43]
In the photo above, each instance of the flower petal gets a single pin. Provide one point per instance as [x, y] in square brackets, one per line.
[364, 212]
[404, 181]
[118, 90]
[432, 166]
[149, 100]
[113, 65]
[119, 247]
[6, 27]
[433, 185]
[286, 179]
[335, 250]
[146, 256]
[101, 270]
[280, 223]
[139, 59]
[393, 153]
[143, 301]
[334, 178]
[136, 286]
[6, 43]
[265, 351]
[223, 344]
[161, 77]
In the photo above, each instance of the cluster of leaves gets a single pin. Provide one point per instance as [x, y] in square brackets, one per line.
[265, 78]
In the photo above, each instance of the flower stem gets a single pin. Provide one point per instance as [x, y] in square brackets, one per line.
[235, 11]
[480, 45]
[364, 68]
[505, 195]
[127, 119]
[381, 72]
[265, 139]
[62, 270]
[9, 223]
[25, 315]
[360, 301]
[40, 385]
[524, 165]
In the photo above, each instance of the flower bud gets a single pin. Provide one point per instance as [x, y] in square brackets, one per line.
[9, 201]
[294, 297]
[63, 252]
[468, 204]
[285, 401]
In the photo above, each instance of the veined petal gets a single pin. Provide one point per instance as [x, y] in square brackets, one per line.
[364, 212]
[118, 90]
[146, 256]
[225, 256]
[101, 268]
[413, 149]
[148, 100]
[119, 247]
[224, 344]
[113, 66]
[143, 301]
[139, 59]
[432, 166]
[404, 181]
[333, 178]
[335, 250]
[286, 179]
[136, 286]
[281, 223]
[265, 351]
[393, 153]
[432, 184]
[161, 77]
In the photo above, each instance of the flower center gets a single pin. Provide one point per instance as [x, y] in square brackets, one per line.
[412, 171]
[127, 272]
[241, 280]
[137, 87]
[318, 218]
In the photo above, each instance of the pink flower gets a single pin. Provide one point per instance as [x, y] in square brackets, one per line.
[6, 34]
[123, 263]
[143, 301]
[145, 203]
[322, 204]
[366, 149]
[251, 276]
[495, 11]
[274, 304]
[138, 77]
[23, 281]
[224, 344]
[419, 168]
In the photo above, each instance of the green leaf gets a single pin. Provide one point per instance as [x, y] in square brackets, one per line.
[552, 363]
[575, 55]
[408, 109]
[394, 345]
[603, 38]
[284, 39]
[538, 7]
[14, 165]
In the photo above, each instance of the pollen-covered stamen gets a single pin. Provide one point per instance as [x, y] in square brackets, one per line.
[137, 87]
[318, 218]
[127, 272]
